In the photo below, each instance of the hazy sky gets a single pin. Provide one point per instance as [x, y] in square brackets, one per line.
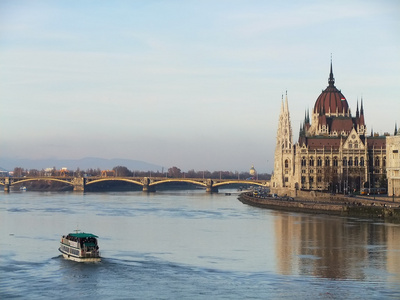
[192, 84]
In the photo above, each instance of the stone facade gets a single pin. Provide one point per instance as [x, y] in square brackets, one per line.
[333, 153]
[393, 166]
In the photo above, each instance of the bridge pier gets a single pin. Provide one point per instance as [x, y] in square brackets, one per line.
[210, 188]
[146, 186]
[79, 184]
[7, 185]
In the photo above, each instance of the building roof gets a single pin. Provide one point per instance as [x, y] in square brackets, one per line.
[341, 124]
[376, 142]
[331, 100]
[322, 143]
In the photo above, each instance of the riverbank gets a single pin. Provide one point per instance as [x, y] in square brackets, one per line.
[368, 207]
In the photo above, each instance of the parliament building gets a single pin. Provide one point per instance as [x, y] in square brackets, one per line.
[334, 153]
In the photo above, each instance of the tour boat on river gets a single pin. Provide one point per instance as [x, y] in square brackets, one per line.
[80, 247]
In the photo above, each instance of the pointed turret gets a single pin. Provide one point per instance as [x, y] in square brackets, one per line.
[395, 129]
[331, 80]
[286, 103]
[362, 108]
[357, 112]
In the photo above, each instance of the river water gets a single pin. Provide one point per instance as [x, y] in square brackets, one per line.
[191, 245]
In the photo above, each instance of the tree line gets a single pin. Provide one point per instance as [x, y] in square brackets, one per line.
[122, 171]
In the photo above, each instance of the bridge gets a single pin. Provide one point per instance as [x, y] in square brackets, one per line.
[148, 184]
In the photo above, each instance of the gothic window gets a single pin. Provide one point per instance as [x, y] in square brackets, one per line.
[377, 161]
[350, 145]
[303, 179]
[362, 161]
[303, 162]
[286, 179]
[319, 179]
[350, 162]
[327, 162]
[356, 161]
[384, 161]
[319, 162]
[344, 161]
[311, 161]
[356, 145]
[335, 161]
[286, 164]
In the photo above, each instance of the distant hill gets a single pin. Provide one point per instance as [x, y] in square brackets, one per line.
[72, 164]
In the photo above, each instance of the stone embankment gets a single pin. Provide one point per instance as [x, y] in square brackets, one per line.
[329, 204]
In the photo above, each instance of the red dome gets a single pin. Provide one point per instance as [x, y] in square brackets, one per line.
[331, 99]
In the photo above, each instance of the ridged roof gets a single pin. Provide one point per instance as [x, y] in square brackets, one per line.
[331, 99]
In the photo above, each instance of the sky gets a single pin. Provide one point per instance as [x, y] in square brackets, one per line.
[192, 84]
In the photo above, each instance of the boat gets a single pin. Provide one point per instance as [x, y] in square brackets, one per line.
[22, 188]
[80, 247]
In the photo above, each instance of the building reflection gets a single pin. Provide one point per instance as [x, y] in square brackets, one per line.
[333, 247]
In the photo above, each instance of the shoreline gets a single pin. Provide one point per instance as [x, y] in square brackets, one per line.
[333, 205]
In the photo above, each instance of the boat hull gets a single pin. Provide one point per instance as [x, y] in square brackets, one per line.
[70, 256]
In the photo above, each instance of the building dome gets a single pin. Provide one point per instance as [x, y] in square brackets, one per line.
[252, 171]
[331, 100]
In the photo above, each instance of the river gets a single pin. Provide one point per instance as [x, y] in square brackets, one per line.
[191, 245]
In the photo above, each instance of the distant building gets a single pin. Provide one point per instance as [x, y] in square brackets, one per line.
[333, 152]
[393, 164]
[252, 171]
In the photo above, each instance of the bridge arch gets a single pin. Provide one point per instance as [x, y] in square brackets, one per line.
[247, 182]
[19, 181]
[178, 180]
[105, 179]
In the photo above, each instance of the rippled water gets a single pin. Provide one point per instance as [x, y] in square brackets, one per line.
[191, 245]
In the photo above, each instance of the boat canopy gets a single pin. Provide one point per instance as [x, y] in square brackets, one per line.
[81, 235]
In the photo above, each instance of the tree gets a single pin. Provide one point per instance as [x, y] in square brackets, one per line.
[18, 171]
[174, 172]
[121, 171]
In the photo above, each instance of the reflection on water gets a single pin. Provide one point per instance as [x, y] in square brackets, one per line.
[191, 245]
[336, 248]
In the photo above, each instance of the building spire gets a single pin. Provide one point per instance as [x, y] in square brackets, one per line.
[286, 103]
[362, 108]
[395, 128]
[357, 112]
[331, 80]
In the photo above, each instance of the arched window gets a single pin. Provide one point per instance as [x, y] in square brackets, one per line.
[356, 161]
[377, 161]
[319, 162]
[303, 162]
[335, 161]
[350, 145]
[311, 161]
[384, 161]
[286, 164]
[344, 161]
[362, 161]
[350, 162]
[327, 162]
[356, 145]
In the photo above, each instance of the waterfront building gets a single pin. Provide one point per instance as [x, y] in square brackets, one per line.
[393, 164]
[333, 153]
